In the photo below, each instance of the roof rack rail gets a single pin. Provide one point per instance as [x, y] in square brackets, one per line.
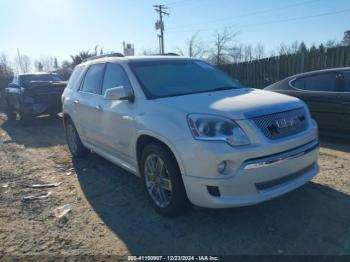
[102, 56]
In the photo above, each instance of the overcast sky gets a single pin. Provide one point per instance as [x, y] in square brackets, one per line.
[59, 28]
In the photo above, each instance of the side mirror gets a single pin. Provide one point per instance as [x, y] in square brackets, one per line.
[118, 93]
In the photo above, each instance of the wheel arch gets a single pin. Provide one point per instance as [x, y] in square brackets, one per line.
[146, 138]
[66, 117]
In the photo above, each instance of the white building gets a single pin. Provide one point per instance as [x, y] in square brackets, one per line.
[129, 49]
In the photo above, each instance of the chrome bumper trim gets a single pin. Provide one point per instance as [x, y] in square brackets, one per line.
[280, 157]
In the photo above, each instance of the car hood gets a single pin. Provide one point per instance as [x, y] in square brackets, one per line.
[240, 103]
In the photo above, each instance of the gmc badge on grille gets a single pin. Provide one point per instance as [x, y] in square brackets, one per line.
[287, 122]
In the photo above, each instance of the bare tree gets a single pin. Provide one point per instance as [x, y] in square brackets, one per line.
[98, 51]
[332, 43]
[149, 52]
[313, 49]
[55, 63]
[23, 63]
[346, 38]
[4, 64]
[222, 42]
[65, 70]
[236, 52]
[195, 46]
[283, 49]
[294, 47]
[259, 50]
[321, 49]
[179, 51]
[6, 75]
[303, 48]
[46, 64]
[248, 53]
[38, 66]
[272, 53]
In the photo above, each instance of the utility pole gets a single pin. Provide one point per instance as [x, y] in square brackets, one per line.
[19, 62]
[160, 24]
[160, 44]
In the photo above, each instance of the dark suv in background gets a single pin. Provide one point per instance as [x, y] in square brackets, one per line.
[34, 94]
[326, 92]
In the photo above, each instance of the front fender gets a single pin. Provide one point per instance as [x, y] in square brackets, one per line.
[164, 140]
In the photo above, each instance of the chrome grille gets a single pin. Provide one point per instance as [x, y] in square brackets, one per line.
[282, 124]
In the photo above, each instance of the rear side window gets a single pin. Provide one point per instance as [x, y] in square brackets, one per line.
[115, 76]
[93, 79]
[75, 78]
[346, 81]
[322, 82]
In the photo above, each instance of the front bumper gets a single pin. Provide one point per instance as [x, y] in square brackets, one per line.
[255, 184]
[256, 173]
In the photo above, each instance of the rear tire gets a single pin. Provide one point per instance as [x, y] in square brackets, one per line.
[10, 113]
[76, 147]
[25, 119]
[167, 176]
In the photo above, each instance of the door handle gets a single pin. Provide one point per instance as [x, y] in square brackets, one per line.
[76, 102]
[98, 108]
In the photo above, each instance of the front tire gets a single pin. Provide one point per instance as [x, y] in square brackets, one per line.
[163, 181]
[76, 147]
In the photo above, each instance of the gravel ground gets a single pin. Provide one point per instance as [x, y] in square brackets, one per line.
[111, 215]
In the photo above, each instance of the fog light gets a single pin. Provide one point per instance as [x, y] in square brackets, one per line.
[222, 167]
[214, 191]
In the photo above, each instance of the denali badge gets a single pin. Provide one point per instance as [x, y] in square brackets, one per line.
[287, 122]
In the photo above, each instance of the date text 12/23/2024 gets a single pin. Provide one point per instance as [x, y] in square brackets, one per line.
[173, 258]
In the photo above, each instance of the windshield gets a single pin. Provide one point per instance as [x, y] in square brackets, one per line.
[40, 77]
[180, 77]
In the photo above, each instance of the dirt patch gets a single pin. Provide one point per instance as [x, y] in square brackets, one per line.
[111, 216]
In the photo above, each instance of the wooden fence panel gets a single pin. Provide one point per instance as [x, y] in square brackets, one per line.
[263, 72]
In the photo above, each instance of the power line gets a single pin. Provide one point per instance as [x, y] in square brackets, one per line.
[247, 14]
[273, 22]
[178, 2]
[160, 24]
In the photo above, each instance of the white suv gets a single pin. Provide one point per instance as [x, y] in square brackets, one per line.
[191, 132]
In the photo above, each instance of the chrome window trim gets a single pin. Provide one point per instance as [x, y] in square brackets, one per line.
[280, 157]
[290, 84]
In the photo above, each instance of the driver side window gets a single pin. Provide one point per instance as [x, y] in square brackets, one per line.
[115, 76]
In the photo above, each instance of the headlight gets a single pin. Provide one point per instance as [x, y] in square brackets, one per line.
[216, 128]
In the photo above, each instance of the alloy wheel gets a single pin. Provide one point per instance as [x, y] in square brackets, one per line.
[158, 180]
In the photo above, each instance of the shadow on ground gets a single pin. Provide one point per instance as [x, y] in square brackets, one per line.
[44, 131]
[309, 220]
